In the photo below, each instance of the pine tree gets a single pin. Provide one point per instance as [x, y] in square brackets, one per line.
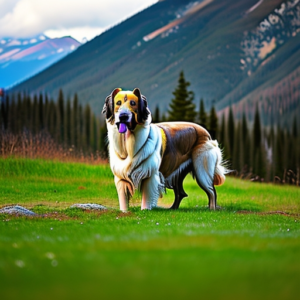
[46, 113]
[1, 115]
[36, 119]
[230, 133]
[202, 114]
[52, 120]
[67, 124]
[87, 126]
[28, 113]
[81, 136]
[156, 115]
[60, 118]
[258, 160]
[213, 123]
[12, 116]
[5, 112]
[222, 137]
[245, 144]
[182, 107]
[20, 113]
[236, 150]
[75, 132]
[41, 113]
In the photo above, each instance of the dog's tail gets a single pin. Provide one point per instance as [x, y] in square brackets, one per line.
[209, 169]
[220, 168]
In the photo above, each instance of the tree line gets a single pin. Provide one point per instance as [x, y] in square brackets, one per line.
[67, 122]
[252, 150]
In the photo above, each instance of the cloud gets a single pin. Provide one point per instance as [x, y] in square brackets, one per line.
[24, 18]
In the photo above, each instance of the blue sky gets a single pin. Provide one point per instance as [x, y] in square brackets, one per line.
[78, 18]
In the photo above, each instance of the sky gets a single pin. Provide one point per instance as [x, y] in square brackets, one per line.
[81, 19]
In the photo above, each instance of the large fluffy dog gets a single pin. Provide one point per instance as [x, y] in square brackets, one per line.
[151, 157]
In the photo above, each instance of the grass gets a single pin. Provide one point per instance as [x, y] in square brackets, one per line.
[247, 250]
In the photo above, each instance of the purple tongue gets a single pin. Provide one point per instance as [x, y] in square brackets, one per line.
[122, 128]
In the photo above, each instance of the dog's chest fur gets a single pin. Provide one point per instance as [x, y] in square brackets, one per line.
[136, 155]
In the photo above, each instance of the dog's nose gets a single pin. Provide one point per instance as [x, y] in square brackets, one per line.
[123, 118]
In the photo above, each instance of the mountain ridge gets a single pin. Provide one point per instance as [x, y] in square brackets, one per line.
[207, 46]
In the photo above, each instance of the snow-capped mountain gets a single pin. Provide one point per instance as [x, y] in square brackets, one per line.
[24, 57]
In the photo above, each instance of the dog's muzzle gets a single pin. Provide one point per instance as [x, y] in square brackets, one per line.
[123, 118]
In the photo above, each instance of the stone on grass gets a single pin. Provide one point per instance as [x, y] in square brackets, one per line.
[89, 206]
[17, 210]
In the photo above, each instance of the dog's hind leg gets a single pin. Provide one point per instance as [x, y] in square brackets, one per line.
[179, 193]
[207, 161]
[175, 182]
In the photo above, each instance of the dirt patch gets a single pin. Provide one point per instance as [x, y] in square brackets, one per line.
[125, 214]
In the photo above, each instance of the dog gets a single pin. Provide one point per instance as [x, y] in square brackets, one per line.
[152, 157]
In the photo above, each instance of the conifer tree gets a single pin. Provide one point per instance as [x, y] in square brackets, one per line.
[36, 118]
[87, 125]
[182, 107]
[213, 123]
[46, 113]
[236, 155]
[230, 132]
[60, 117]
[28, 113]
[52, 119]
[1, 117]
[20, 117]
[12, 116]
[156, 115]
[81, 137]
[202, 114]
[41, 113]
[67, 125]
[222, 137]
[75, 131]
[95, 135]
[258, 161]
[5, 112]
[245, 144]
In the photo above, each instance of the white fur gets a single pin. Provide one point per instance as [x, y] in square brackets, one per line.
[135, 158]
[207, 162]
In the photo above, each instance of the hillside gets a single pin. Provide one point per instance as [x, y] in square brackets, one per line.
[227, 50]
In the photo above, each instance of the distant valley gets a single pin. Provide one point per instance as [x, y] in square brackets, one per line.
[20, 59]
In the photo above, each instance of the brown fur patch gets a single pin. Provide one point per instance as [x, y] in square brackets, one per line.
[218, 179]
[182, 140]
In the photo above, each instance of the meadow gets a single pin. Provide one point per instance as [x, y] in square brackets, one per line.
[248, 249]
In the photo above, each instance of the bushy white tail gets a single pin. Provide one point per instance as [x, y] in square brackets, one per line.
[209, 169]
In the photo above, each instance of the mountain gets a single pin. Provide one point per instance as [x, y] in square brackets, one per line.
[23, 58]
[230, 51]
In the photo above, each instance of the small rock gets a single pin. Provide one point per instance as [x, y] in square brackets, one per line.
[17, 210]
[89, 206]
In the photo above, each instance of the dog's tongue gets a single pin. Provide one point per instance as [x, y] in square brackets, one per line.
[122, 128]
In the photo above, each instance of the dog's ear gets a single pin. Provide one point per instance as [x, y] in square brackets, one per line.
[143, 110]
[108, 108]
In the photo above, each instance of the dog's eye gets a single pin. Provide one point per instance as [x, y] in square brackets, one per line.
[132, 103]
[119, 102]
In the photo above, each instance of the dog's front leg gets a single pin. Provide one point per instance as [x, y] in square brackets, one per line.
[150, 193]
[122, 189]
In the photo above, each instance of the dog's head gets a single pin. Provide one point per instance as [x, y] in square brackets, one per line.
[126, 109]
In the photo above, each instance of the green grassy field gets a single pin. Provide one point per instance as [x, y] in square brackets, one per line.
[247, 250]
